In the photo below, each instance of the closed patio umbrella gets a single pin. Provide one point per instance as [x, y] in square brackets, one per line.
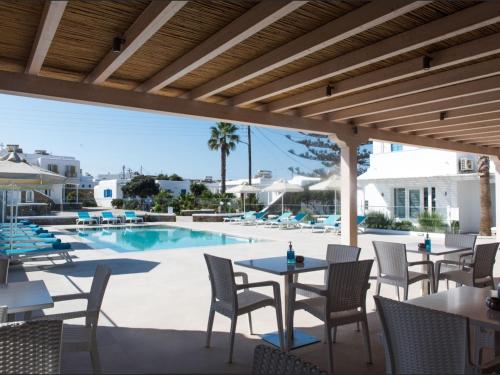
[282, 186]
[330, 184]
[17, 174]
[244, 189]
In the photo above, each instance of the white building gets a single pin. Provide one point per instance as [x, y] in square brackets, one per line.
[107, 190]
[403, 181]
[176, 187]
[67, 166]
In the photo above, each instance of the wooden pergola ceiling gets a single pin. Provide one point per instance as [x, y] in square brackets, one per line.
[416, 72]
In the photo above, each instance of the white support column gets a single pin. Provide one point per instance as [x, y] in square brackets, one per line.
[496, 162]
[349, 187]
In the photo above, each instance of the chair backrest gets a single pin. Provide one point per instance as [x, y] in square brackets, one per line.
[360, 219]
[284, 215]
[4, 269]
[467, 241]
[332, 219]
[423, 341]
[347, 285]
[300, 216]
[267, 360]
[96, 295]
[107, 214]
[484, 259]
[260, 215]
[341, 254]
[222, 282]
[391, 259]
[31, 347]
[130, 214]
[3, 314]
[83, 215]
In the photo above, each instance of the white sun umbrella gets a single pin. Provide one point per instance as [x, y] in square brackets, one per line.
[282, 186]
[331, 184]
[17, 174]
[244, 189]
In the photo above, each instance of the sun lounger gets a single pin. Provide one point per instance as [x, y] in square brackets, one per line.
[331, 222]
[109, 218]
[131, 217]
[283, 217]
[24, 253]
[239, 219]
[292, 222]
[85, 218]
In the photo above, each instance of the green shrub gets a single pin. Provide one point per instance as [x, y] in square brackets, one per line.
[89, 202]
[402, 225]
[117, 203]
[431, 222]
[131, 205]
[378, 220]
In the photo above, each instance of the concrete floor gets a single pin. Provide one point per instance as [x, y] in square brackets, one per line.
[155, 309]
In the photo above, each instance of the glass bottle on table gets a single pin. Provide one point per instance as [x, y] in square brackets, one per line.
[290, 254]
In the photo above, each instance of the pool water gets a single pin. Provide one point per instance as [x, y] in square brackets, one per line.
[127, 239]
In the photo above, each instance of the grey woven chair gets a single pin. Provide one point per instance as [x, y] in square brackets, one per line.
[334, 254]
[270, 361]
[84, 338]
[31, 347]
[228, 302]
[4, 269]
[467, 241]
[393, 267]
[478, 273]
[343, 302]
[423, 341]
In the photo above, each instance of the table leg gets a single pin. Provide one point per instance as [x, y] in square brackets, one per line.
[426, 285]
[288, 312]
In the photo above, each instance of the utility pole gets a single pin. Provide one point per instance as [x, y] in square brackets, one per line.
[249, 132]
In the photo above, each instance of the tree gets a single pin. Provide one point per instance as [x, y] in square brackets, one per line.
[198, 189]
[223, 137]
[175, 177]
[483, 169]
[141, 186]
[321, 149]
[162, 176]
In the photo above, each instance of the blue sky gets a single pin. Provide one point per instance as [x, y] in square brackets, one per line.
[104, 139]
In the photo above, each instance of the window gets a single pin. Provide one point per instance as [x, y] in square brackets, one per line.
[433, 201]
[414, 198]
[29, 196]
[108, 193]
[53, 168]
[47, 192]
[70, 171]
[366, 205]
[430, 199]
[396, 147]
[399, 203]
[183, 191]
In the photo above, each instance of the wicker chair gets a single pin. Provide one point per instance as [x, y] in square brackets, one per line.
[477, 273]
[228, 302]
[467, 241]
[393, 267]
[343, 302]
[31, 347]
[270, 361]
[84, 338]
[423, 341]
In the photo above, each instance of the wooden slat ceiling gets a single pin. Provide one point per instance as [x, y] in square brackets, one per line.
[87, 28]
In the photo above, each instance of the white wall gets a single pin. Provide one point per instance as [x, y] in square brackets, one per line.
[116, 192]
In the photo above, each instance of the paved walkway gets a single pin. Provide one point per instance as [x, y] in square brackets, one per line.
[156, 307]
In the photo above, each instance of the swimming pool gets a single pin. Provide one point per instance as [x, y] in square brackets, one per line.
[127, 239]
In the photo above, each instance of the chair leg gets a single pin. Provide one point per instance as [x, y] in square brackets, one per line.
[94, 357]
[366, 335]
[330, 346]
[250, 323]
[334, 334]
[405, 296]
[377, 292]
[231, 337]
[357, 326]
[325, 340]
[279, 321]
[210, 325]
[397, 291]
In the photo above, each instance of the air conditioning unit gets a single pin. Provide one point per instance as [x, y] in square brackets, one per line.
[465, 165]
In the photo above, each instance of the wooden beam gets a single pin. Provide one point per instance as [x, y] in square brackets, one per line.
[475, 49]
[76, 92]
[475, 138]
[427, 82]
[432, 117]
[436, 127]
[260, 16]
[152, 19]
[433, 96]
[441, 29]
[380, 119]
[364, 18]
[486, 128]
[443, 133]
[51, 16]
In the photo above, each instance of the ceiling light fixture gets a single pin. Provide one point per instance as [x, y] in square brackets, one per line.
[426, 62]
[118, 43]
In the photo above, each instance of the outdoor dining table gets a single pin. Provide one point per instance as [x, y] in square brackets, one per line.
[436, 250]
[279, 266]
[25, 297]
[468, 302]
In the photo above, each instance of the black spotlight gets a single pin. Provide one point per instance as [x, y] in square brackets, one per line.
[426, 62]
[118, 43]
[442, 115]
[329, 90]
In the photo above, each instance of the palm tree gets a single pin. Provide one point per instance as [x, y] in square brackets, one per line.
[483, 169]
[223, 137]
